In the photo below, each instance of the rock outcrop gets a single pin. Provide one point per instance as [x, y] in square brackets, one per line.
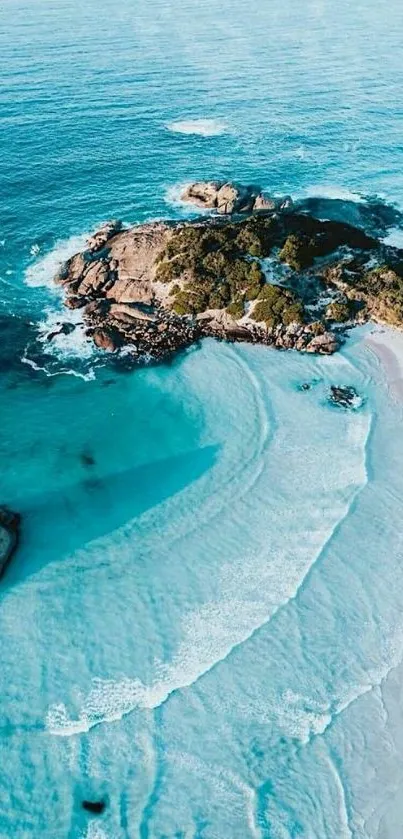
[94, 807]
[9, 535]
[344, 396]
[162, 286]
[229, 198]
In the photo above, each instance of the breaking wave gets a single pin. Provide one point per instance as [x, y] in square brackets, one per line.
[202, 127]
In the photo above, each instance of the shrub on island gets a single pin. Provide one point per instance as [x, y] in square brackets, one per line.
[218, 273]
[236, 309]
[298, 252]
[276, 305]
[338, 311]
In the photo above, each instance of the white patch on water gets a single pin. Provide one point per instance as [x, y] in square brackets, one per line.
[202, 127]
[330, 191]
[394, 238]
[43, 271]
[95, 831]
[75, 344]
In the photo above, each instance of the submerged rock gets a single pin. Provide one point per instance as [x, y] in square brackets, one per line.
[64, 329]
[345, 396]
[9, 535]
[95, 807]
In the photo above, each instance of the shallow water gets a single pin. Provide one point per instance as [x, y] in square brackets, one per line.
[203, 621]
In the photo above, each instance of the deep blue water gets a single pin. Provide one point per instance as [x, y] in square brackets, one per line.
[203, 622]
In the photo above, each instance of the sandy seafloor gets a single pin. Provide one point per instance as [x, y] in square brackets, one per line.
[203, 624]
[212, 639]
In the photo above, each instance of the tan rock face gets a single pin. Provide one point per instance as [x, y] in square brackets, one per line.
[95, 278]
[325, 344]
[106, 339]
[228, 198]
[76, 269]
[131, 291]
[202, 193]
[264, 203]
[102, 236]
[131, 312]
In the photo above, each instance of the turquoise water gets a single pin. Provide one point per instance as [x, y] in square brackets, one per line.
[203, 622]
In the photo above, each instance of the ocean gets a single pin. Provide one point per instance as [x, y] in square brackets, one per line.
[203, 623]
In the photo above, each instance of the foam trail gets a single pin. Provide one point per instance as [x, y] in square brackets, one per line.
[87, 377]
[203, 127]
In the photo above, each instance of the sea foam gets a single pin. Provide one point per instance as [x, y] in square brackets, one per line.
[42, 272]
[202, 127]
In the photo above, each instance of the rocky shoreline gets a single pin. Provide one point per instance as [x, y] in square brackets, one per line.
[160, 287]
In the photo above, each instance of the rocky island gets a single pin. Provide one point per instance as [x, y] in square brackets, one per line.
[255, 269]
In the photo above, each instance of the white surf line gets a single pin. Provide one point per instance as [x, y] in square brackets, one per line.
[109, 701]
[343, 809]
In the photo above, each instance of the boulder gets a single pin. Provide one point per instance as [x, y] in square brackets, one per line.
[95, 807]
[107, 339]
[94, 279]
[235, 199]
[102, 236]
[72, 271]
[285, 205]
[124, 311]
[228, 198]
[64, 329]
[344, 396]
[74, 302]
[263, 203]
[202, 193]
[9, 535]
[325, 344]
[127, 290]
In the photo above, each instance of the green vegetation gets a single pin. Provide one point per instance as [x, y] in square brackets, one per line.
[276, 305]
[236, 309]
[216, 263]
[298, 252]
[339, 312]
[382, 289]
